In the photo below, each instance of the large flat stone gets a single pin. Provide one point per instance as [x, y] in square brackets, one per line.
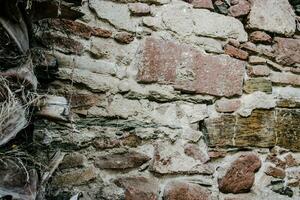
[287, 50]
[264, 128]
[273, 16]
[189, 70]
[212, 24]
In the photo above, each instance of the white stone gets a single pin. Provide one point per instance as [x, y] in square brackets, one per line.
[273, 16]
[208, 44]
[256, 100]
[215, 25]
[95, 82]
[117, 14]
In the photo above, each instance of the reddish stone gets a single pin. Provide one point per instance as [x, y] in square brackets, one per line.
[235, 52]
[61, 43]
[275, 172]
[234, 42]
[215, 154]
[290, 160]
[260, 36]
[121, 160]
[138, 188]
[242, 8]
[258, 70]
[189, 70]
[195, 152]
[275, 160]
[285, 78]
[124, 37]
[287, 50]
[75, 28]
[239, 178]
[99, 32]
[177, 190]
[201, 4]
[139, 8]
[227, 105]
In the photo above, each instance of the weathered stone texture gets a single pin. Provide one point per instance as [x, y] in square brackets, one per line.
[261, 129]
[189, 70]
[138, 188]
[287, 51]
[239, 178]
[180, 190]
[279, 19]
[258, 84]
[227, 105]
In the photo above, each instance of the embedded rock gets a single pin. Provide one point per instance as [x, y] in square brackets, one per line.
[258, 84]
[188, 70]
[227, 105]
[260, 36]
[171, 159]
[258, 70]
[235, 52]
[280, 19]
[139, 8]
[124, 37]
[201, 4]
[285, 78]
[180, 190]
[138, 188]
[242, 8]
[239, 178]
[122, 160]
[219, 26]
[287, 50]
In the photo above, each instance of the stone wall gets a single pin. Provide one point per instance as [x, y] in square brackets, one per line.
[175, 100]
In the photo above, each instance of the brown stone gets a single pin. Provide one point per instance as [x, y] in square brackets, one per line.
[179, 190]
[290, 160]
[255, 130]
[287, 50]
[260, 36]
[227, 105]
[138, 188]
[124, 37]
[235, 52]
[215, 154]
[189, 70]
[277, 161]
[61, 43]
[201, 4]
[108, 143]
[258, 84]
[195, 152]
[287, 128]
[73, 160]
[99, 32]
[288, 103]
[275, 172]
[124, 160]
[239, 178]
[75, 177]
[285, 78]
[258, 70]
[242, 8]
[139, 8]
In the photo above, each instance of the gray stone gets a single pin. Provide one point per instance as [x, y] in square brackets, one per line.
[273, 16]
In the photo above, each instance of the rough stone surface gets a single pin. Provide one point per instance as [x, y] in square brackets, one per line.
[287, 51]
[75, 177]
[239, 178]
[202, 4]
[280, 19]
[242, 8]
[227, 105]
[124, 37]
[260, 36]
[179, 190]
[179, 65]
[275, 172]
[285, 78]
[121, 160]
[235, 52]
[139, 8]
[258, 70]
[171, 159]
[138, 188]
[216, 25]
[258, 84]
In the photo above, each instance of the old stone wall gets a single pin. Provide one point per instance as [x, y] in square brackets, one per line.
[175, 100]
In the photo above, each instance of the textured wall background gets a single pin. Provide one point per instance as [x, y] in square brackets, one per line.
[175, 100]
